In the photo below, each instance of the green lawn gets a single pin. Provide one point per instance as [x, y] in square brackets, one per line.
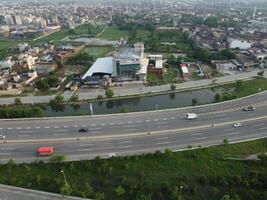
[243, 88]
[113, 33]
[97, 51]
[4, 44]
[204, 173]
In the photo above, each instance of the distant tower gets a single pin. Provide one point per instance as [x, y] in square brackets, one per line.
[254, 13]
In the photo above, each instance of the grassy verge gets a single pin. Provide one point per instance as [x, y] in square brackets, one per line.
[203, 173]
[113, 33]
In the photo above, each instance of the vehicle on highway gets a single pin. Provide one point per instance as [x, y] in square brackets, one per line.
[45, 151]
[237, 124]
[83, 130]
[191, 116]
[249, 108]
[2, 137]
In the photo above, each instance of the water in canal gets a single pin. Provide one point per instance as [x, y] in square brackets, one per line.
[173, 100]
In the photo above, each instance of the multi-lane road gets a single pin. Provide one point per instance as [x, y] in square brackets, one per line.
[124, 134]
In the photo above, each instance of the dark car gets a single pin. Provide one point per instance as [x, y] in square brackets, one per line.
[83, 130]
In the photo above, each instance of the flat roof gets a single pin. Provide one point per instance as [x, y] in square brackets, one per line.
[101, 65]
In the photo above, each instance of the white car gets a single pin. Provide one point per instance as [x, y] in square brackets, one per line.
[237, 124]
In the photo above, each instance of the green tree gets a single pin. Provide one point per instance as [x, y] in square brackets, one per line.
[109, 93]
[65, 190]
[42, 84]
[99, 196]
[230, 197]
[218, 97]
[18, 102]
[173, 86]
[227, 53]
[225, 141]
[74, 98]
[119, 190]
[211, 21]
[52, 81]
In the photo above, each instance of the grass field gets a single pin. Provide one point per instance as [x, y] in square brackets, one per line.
[113, 33]
[204, 173]
[97, 51]
[4, 44]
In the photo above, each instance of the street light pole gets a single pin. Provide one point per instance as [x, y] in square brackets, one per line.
[64, 177]
[180, 192]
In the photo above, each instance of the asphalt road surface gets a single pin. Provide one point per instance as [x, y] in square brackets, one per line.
[15, 193]
[134, 133]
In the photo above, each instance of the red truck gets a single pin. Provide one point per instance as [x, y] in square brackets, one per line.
[45, 151]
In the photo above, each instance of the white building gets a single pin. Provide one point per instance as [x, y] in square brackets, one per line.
[240, 44]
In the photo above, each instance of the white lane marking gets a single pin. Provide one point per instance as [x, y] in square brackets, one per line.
[160, 143]
[62, 130]
[111, 124]
[160, 123]
[93, 124]
[37, 127]
[124, 142]
[148, 120]
[59, 134]
[85, 145]
[200, 138]
[162, 126]
[128, 126]
[23, 135]
[138, 122]
[156, 120]
[5, 153]
[26, 131]
[173, 118]
[66, 126]
[97, 128]
[18, 128]
[47, 127]
[233, 133]
[195, 134]
[1, 128]
[9, 128]
[75, 126]
[256, 125]
[164, 119]
[7, 148]
[120, 123]
[263, 128]
[28, 128]
[230, 129]
[84, 149]
[130, 129]
[162, 138]
[129, 122]
[84, 125]
[102, 124]
[56, 127]
[125, 147]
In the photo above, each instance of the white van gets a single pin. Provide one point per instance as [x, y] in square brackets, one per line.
[191, 116]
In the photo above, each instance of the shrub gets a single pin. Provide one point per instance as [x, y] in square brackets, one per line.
[99, 97]
[218, 97]
[57, 158]
[173, 87]
[109, 93]
[119, 190]
[124, 110]
[18, 102]
[74, 98]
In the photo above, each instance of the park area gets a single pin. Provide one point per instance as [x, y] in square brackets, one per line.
[113, 33]
[205, 173]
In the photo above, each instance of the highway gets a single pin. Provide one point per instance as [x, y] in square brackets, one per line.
[134, 133]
